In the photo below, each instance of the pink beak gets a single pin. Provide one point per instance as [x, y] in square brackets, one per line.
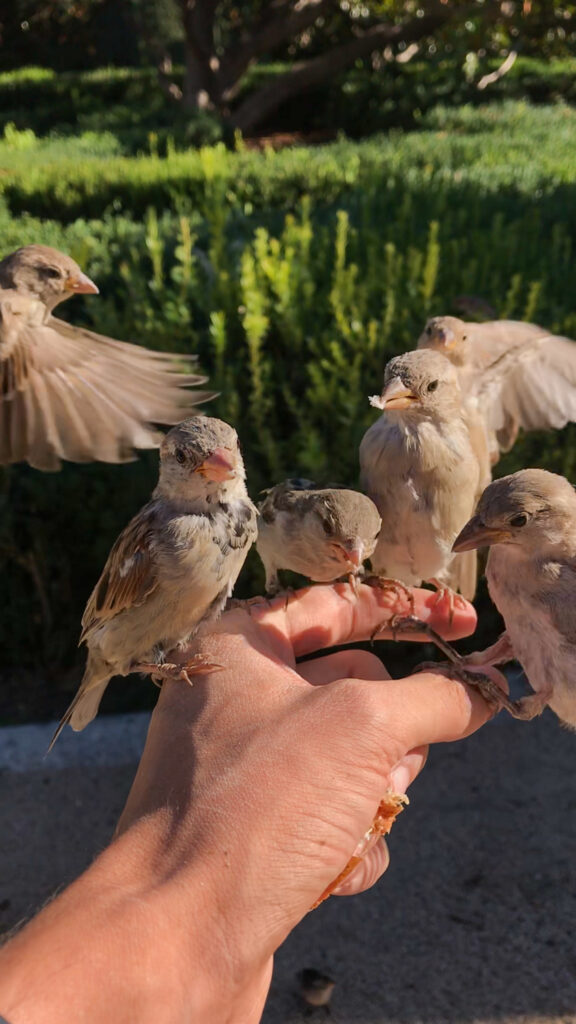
[81, 284]
[219, 466]
[353, 552]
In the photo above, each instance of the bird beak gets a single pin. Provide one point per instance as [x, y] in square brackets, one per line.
[476, 535]
[81, 284]
[219, 466]
[396, 395]
[352, 551]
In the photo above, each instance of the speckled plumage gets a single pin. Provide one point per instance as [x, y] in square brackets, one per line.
[175, 564]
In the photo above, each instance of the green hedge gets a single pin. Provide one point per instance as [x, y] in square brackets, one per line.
[293, 315]
[488, 151]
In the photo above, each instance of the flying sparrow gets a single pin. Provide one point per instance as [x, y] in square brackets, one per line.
[67, 393]
[173, 567]
[514, 374]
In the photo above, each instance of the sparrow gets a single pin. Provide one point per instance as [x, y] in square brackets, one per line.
[316, 988]
[529, 521]
[172, 568]
[66, 392]
[420, 467]
[320, 532]
[513, 374]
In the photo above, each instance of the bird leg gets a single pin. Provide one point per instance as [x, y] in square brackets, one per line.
[498, 654]
[196, 665]
[456, 668]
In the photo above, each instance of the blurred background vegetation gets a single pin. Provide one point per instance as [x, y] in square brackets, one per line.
[295, 254]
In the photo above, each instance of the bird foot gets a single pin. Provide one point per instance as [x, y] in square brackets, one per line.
[411, 624]
[391, 805]
[196, 665]
[246, 603]
[388, 583]
[453, 599]
[488, 688]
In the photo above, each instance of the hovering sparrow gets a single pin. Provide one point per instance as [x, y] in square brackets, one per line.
[419, 466]
[67, 393]
[316, 988]
[529, 521]
[516, 375]
[173, 567]
[321, 532]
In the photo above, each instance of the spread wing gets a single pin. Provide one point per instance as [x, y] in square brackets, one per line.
[489, 341]
[532, 386]
[129, 576]
[67, 393]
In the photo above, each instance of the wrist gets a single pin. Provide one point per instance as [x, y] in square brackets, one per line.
[125, 943]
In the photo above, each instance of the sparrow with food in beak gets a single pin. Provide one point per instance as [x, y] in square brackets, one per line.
[172, 569]
[420, 468]
[66, 392]
[528, 520]
[513, 374]
[320, 532]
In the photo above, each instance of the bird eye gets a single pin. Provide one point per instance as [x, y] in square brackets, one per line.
[429, 331]
[50, 272]
[464, 337]
[519, 520]
[433, 385]
[180, 456]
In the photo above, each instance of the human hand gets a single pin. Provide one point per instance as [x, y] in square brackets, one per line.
[267, 778]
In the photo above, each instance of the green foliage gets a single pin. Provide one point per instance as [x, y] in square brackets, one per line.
[293, 302]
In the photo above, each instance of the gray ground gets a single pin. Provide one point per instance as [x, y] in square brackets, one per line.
[474, 921]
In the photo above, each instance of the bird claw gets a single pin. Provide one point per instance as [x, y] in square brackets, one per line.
[387, 583]
[247, 603]
[445, 593]
[412, 624]
[523, 709]
[197, 665]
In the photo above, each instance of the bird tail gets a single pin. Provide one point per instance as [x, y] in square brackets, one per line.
[85, 705]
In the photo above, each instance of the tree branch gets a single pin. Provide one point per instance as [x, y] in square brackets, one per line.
[494, 76]
[281, 22]
[256, 107]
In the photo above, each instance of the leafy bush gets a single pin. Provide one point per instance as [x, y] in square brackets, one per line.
[293, 314]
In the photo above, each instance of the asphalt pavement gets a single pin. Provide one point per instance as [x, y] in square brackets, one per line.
[474, 922]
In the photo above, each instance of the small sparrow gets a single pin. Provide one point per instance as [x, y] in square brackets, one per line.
[316, 988]
[529, 521]
[174, 566]
[419, 466]
[514, 374]
[321, 532]
[67, 393]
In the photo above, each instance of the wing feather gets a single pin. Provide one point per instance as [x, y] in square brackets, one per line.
[68, 393]
[129, 576]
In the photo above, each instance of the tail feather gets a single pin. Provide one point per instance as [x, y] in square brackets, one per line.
[85, 705]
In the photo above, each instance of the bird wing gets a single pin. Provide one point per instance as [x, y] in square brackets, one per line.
[532, 386]
[66, 392]
[129, 576]
[487, 342]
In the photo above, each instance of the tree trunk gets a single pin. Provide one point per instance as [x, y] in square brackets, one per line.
[260, 104]
[201, 79]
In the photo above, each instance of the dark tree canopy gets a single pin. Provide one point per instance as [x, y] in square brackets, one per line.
[218, 41]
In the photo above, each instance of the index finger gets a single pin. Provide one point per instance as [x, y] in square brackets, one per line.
[327, 616]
